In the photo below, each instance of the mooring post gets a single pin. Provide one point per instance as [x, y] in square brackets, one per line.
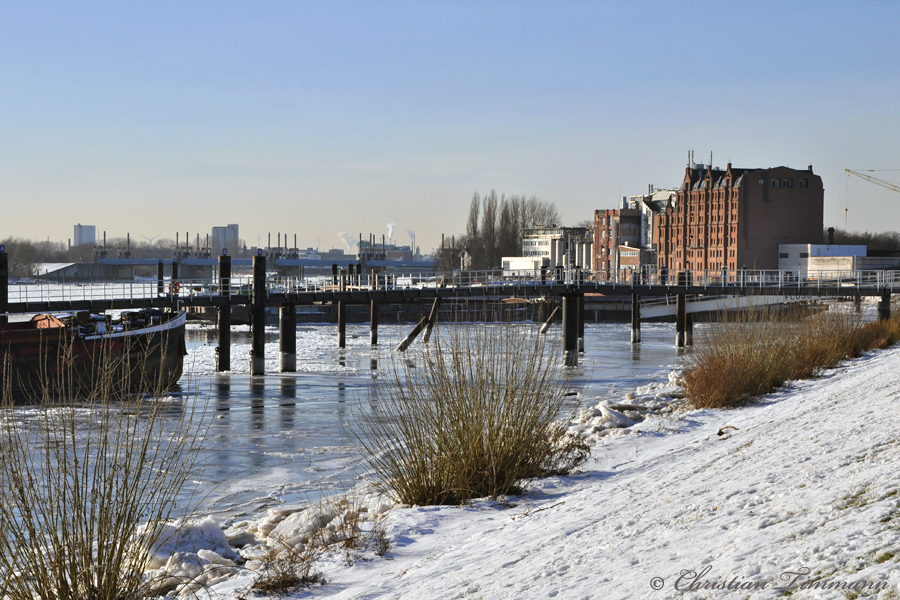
[635, 319]
[432, 317]
[258, 317]
[688, 329]
[373, 317]
[570, 329]
[581, 323]
[680, 320]
[4, 284]
[884, 307]
[174, 272]
[857, 302]
[342, 324]
[287, 337]
[160, 289]
[223, 349]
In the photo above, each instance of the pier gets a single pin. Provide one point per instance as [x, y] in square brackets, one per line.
[650, 295]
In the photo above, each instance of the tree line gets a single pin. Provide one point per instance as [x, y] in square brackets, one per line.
[495, 228]
[886, 241]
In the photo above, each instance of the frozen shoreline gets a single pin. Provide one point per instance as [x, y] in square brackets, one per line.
[801, 480]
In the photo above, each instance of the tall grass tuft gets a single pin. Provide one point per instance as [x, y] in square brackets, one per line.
[477, 417]
[85, 486]
[740, 359]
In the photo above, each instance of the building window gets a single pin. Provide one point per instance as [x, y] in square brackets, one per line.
[783, 255]
[776, 183]
[788, 183]
[803, 183]
[804, 255]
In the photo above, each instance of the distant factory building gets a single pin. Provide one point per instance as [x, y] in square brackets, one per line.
[225, 238]
[551, 247]
[809, 260]
[85, 234]
[737, 218]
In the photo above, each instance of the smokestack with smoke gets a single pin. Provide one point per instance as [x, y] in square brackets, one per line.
[347, 239]
[390, 229]
[411, 234]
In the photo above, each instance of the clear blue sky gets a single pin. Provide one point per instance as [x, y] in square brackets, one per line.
[317, 118]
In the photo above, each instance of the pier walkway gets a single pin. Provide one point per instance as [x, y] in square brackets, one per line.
[712, 290]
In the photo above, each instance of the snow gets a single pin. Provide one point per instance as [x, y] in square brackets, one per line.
[797, 488]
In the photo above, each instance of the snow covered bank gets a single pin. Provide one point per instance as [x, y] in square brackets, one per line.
[798, 488]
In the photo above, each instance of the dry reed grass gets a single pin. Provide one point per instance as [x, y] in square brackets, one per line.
[739, 360]
[475, 419]
[86, 484]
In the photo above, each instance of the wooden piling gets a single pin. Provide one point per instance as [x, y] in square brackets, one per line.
[342, 324]
[160, 288]
[373, 318]
[581, 323]
[688, 329]
[258, 317]
[884, 307]
[412, 335]
[680, 320]
[570, 329]
[546, 326]
[432, 317]
[223, 349]
[857, 302]
[287, 337]
[4, 285]
[635, 319]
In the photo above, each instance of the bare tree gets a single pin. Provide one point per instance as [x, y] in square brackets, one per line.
[488, 258]
[540, 212]
[496, 226]
[510, 236]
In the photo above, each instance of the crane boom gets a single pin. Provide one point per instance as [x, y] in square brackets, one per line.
[875, 180]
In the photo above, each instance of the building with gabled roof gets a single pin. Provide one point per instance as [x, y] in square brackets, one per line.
[736, 218]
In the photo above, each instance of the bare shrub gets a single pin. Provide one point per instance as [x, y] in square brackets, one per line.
[740, 359]
[335, 523]
[86, 485]
[287, 571]
[475, 419]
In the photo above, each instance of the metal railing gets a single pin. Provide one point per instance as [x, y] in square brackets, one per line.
[586, 280]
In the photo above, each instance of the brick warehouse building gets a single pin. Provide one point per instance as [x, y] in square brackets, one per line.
[735, 218]
[614, 228]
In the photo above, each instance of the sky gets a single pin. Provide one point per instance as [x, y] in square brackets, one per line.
[321, 118]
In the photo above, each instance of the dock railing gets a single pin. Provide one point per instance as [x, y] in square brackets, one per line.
[585, 280]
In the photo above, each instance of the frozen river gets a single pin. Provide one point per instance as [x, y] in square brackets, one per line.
[279, 439]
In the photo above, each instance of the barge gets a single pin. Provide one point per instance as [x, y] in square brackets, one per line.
[63, 356]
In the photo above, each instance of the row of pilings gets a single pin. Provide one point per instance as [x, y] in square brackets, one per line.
[573, 311]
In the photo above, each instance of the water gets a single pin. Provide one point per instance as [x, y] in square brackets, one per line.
[280, 439]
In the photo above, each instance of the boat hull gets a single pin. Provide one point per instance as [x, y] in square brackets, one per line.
[53, 362]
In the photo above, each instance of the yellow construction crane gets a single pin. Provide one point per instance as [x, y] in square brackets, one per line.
[875, 180]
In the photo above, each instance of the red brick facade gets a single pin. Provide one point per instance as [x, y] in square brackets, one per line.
[613, 228]
[735, 218]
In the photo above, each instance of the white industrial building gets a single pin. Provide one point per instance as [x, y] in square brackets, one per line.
[84, 234]
[551, 247]
[805, 260]
[225, 239]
